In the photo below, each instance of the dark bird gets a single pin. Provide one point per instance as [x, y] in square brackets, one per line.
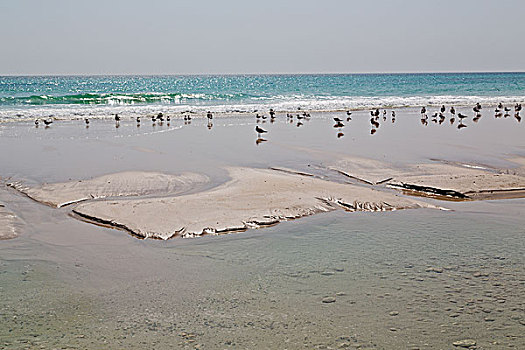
[500, 105]
[423, 110]
[209, 115]
[507, 109]
[48, 122]
[117, 118]
[452, 110]
[272, 113]
[168, 118]
[337, 119]
[260, 130]
[443, 109]
[138, 120]
[462, 116]
[36, 122]
[86, 120]
[517, 108]
[348, 113]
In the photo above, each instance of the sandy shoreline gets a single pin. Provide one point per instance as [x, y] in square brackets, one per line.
[149, 197]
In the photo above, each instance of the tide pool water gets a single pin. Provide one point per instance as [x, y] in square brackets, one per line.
[70, 97]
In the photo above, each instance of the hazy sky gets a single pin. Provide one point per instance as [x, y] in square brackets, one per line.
[267, 36]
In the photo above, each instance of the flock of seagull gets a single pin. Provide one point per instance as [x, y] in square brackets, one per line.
[376, 115]
[439, 116]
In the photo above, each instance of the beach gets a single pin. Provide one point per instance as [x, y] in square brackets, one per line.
[305, 240]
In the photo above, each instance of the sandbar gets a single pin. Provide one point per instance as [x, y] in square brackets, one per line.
[123, 184]
[443, 179]
[252, 198]
[8, 223]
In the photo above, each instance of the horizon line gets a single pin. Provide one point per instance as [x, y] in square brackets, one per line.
[247, 74]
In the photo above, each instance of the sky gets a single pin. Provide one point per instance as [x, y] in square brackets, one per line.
[271, 36]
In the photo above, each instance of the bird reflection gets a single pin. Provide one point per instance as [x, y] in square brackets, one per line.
[461, 125]
[260, 140]
[340, 134]
[210, 125]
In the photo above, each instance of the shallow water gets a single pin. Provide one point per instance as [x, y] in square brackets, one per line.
[401, 280]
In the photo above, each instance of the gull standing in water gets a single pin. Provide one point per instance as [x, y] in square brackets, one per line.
[260, 131]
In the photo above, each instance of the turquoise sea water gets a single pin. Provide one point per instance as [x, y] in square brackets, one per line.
[73, 96]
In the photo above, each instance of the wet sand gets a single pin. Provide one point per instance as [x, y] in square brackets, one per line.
[411, 279]
[454, 180]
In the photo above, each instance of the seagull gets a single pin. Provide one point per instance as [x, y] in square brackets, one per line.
[260, 131]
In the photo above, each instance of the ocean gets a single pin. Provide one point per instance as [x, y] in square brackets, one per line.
[70, 97]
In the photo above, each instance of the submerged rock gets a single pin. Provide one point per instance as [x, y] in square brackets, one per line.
[328, 300]
[465, 343]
